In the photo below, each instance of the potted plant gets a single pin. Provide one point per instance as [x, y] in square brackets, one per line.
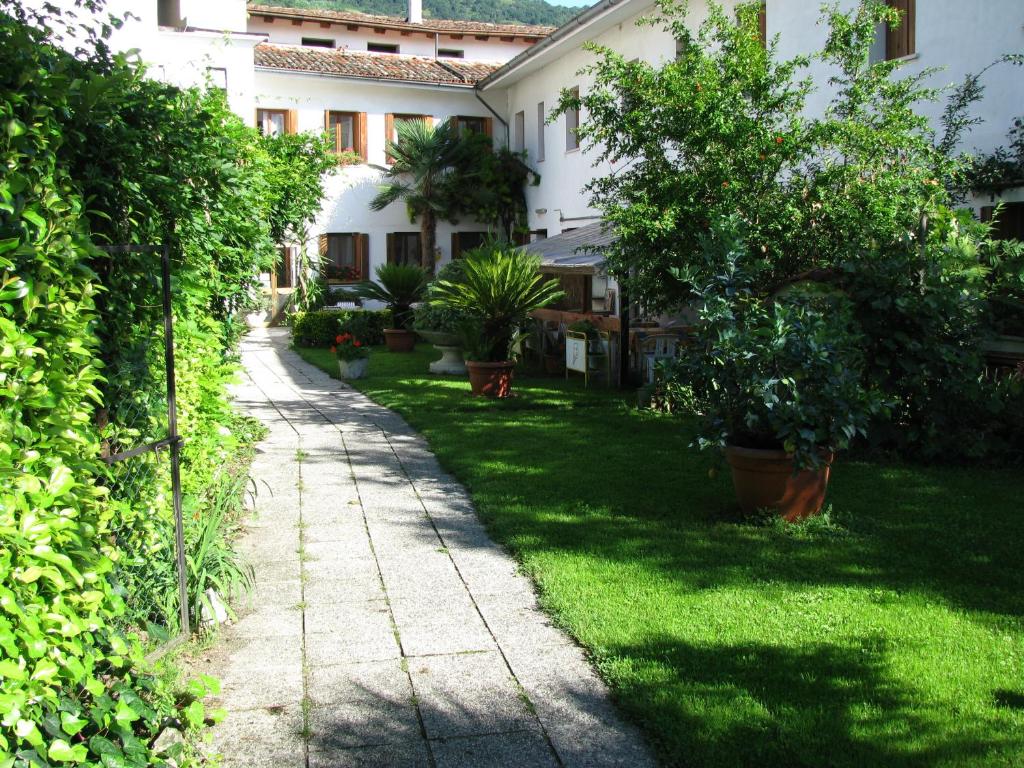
[442, 326]
[399, 286]
[777, 381]
[258, 313]
[500, 287]
[353, 356]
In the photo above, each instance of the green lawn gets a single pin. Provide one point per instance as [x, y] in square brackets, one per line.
[892, 635]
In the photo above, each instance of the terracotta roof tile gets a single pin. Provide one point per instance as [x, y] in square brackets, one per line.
[376, 66]
[427, 25]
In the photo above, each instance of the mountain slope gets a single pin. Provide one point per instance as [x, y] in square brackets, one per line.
[500, 11]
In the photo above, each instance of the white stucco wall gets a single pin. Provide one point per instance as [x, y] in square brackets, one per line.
[348, 193]
[414, 43]
[185, 58]
[959, 36]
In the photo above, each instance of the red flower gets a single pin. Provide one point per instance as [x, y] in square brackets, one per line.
[778, 139]
[356, 344]
[334, 350]
[338, 339]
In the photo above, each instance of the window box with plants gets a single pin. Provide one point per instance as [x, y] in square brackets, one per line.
[399, 286]
[353, 356]
[499, 288]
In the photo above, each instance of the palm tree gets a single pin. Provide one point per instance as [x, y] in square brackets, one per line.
[424, 156]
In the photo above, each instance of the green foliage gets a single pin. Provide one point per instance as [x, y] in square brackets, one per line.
[319, 328]
[424, 157]
[499, 288]
[490, 185]
[399, 286]
[431, 316]
[87, 555]
[853, 200]
[781, 373]
[73, 686]
[504, 11]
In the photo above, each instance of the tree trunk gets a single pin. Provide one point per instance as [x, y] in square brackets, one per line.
[428, 240]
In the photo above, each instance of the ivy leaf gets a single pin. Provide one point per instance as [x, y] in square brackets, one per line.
[11, 670]
[64, 752]
[72, 723]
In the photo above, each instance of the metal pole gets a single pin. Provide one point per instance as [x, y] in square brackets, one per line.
[624, 308]
[172, 434]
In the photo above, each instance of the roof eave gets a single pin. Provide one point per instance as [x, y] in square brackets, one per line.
[575, 24]
[365, 78]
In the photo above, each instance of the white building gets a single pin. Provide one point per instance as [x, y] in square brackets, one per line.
[356, 74]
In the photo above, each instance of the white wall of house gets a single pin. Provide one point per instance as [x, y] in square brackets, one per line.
[285, 31]
[348, 192]
[961, 37]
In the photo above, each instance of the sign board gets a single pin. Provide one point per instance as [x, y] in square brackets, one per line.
[576, 354]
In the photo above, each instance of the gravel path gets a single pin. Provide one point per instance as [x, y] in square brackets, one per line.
[386, 628]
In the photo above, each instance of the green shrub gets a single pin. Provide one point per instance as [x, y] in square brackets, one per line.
[319, 328]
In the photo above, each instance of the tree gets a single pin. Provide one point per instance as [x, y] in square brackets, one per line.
[853, 198]
[424, 159]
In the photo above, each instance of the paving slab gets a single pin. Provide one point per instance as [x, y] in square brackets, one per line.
[386, 628]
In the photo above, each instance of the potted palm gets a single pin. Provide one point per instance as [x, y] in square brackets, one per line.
[499, 288]
[353, 356]
[399, 286]
[777, 383]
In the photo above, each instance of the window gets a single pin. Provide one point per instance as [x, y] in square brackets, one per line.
[572, 124]
[317, 42]
[900, 40]
[404, 248]
[464, 125]
[274, 122]
[382, 48]
[168, 13]
[519, 132]
[1009, 221]
[348, 130]
[217, 77]
[391, 123]
[540, 132]
[451, 53]
[466, 241]
[345, 257]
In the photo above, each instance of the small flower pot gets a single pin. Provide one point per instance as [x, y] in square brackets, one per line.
[399, 340]
[764, 479]
[353, 369]
[450, 347]
[491, 379]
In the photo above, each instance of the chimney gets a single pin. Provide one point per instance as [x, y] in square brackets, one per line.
[415, 11]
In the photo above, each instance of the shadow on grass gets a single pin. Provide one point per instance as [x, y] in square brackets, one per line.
[617, 518]
[762, 705]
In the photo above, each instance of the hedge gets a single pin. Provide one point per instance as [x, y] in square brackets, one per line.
[318, 328]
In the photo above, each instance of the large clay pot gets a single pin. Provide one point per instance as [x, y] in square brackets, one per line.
[764, 479]
[491, 379]
[399, 340]
[353, 369]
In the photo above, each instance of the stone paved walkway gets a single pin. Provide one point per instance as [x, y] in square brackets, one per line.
[386, 628]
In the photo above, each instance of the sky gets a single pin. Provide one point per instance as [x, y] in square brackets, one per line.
[572, 3]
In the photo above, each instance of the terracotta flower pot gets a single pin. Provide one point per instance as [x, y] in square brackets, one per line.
[399, 340]
[764, 479]
[491, 379]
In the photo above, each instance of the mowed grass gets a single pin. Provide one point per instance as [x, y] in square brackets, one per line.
[890, 634]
